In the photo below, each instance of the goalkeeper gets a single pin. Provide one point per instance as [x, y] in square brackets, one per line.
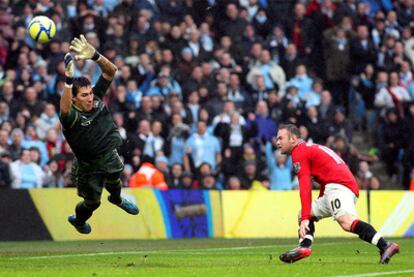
[90, 131]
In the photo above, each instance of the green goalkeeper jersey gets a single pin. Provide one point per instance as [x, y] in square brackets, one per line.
[91, 134]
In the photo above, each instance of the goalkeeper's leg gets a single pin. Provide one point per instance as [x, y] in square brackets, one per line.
[90, 189]
[113, 186]
[85, 209]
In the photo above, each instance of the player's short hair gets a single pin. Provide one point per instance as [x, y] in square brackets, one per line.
[78, 83]
[291, 128]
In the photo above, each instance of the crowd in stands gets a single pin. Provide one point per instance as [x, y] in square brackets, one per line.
[202, 86]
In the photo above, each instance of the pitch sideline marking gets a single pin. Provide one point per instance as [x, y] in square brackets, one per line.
[163, 251]
[378, 273]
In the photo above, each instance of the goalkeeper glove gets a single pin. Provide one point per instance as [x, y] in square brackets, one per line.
[69, 69]
[83, 49]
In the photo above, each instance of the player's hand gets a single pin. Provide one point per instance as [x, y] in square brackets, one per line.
[83, 50]
[304, 228]
[69, 67]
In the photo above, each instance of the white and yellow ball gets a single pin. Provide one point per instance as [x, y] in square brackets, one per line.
[41, 29]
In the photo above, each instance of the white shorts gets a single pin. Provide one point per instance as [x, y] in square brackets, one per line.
[336, 201]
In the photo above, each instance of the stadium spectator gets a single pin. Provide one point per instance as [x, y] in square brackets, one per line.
[337, 57]
[48, 119]
[25, 173]
[208, 182]
[233, 183]
[148, 176]
[231, 25]
[136, 141]
[362, 50]
[5, 178]
[300, 30]
[15, 148]
[327, 108]
[233, 135]
[266, 127]
[317, 129]
[273, 74]
[154, 142]
[280, 169]
[249, 175]
[4, 140]
[290, 61]
[302, 81]
[176, 139]
[313, 97]
[188, 181]
[53, 176]
[202, 147]
[392, 142]
[174, 180]
[340, 125]
[291, 105]
[365, 178]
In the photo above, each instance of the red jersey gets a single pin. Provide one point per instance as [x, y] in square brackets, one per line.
[325, 166]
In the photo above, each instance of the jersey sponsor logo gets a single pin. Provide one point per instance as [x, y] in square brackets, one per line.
[296, 167]
[86, 123]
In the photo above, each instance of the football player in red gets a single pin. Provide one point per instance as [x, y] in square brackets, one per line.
[337, 197]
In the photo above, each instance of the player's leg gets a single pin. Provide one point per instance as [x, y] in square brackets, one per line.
[113, 186]
[307, 240]
[344, 211]
[90, 189]
[113, 169]
[319, 211]
[367, 232]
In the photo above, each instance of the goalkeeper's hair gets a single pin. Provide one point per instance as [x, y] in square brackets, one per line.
[78, 83]
[291, 128]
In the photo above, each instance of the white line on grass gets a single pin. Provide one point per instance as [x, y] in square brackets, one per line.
[148, 252]
[191, 250]
[378, 273]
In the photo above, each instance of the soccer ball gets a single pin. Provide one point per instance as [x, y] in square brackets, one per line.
[41, 29]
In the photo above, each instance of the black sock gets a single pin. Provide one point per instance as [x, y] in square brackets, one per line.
[84, 211]
[114, 189]
[307, 241]
[367, 233]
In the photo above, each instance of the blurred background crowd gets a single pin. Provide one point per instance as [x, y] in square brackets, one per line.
[202, 86]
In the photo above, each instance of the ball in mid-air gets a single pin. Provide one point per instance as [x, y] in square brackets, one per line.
[41, 29]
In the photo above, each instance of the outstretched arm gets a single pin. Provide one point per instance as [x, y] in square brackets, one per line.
[66, 98]
[108, 68]
[85, 51]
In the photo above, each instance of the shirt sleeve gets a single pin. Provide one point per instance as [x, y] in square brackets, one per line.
[101, 87]
[301, 162]
[68, 120]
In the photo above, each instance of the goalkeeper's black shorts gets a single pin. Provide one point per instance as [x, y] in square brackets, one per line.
[90, 176]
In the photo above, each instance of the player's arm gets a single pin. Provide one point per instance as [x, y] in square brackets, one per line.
[108, 68]
[66, 98]
[305, 184]
[85, 51]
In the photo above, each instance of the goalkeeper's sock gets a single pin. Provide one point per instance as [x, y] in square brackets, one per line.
[114, 189]
[308, 239]
[84, 211]
[368, 233]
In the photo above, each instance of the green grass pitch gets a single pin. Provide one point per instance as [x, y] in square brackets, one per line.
[199, 257]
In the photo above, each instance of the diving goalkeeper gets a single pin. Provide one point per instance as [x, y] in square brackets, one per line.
[90, 131]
